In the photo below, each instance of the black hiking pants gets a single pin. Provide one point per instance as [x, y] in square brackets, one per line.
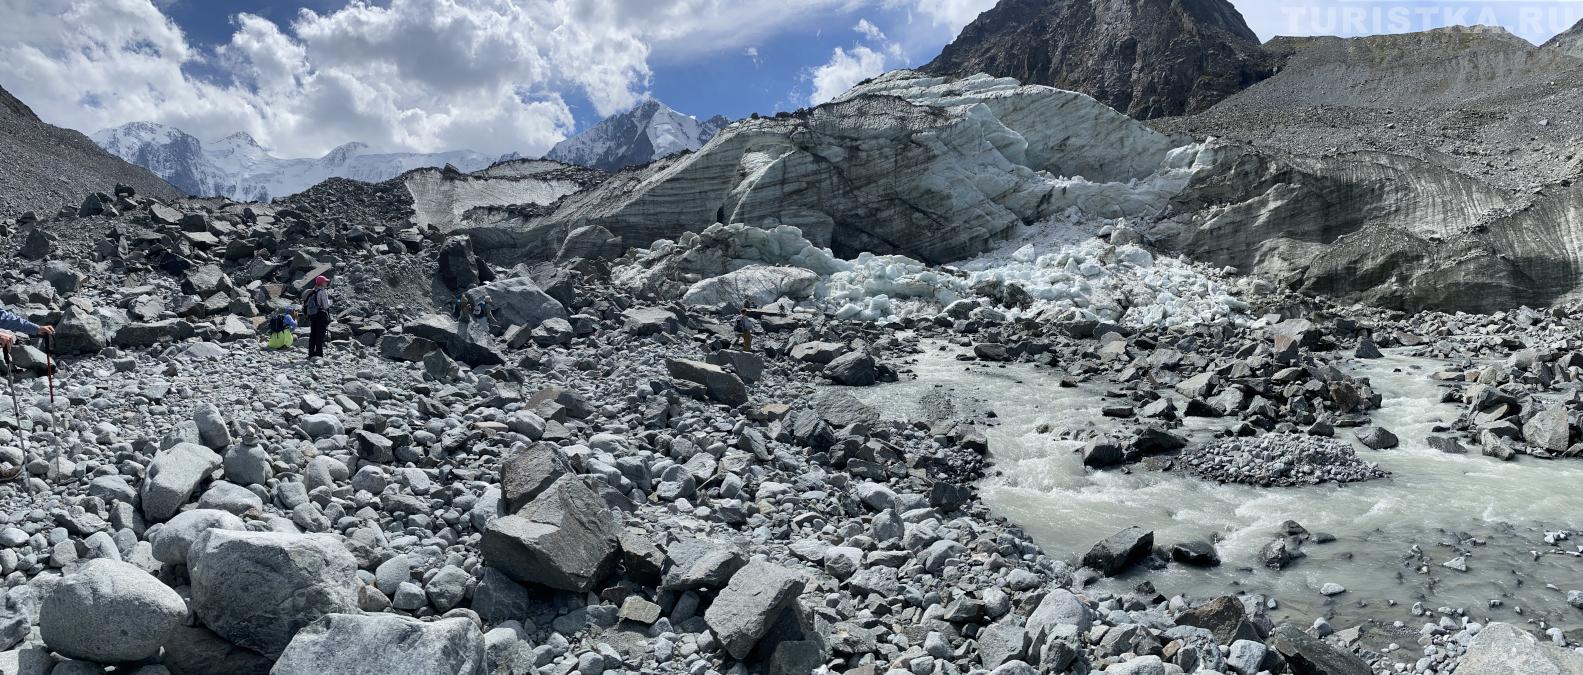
[318, 331]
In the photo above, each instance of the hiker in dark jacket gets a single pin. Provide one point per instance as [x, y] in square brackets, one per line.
[15, 323]
[744, 327]
[317, 308]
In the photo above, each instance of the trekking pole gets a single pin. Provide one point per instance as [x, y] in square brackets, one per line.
[49, 365]
[16, 405]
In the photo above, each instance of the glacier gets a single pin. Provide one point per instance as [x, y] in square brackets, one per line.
[237, 167]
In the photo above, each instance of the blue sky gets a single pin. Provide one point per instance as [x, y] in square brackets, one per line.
[517, 75]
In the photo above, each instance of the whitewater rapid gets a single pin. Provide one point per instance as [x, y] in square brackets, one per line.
[1038, 482]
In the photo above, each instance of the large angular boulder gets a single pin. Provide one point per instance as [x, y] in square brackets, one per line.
[649, 321]
[1119, 550]
[80, 332]
[205, 281]
[450, 337]
[751, 603]
[520, 302]
[853, 369]
[401, 347]
[757, 285]
[143, 335]
[109, 611]
[349, 644]
[527, 472]
[1308, 655]
[173, 476]
[1504, 648]
[565, 538]
[699, 562]
[722, 386]
[459, 267]
[1549, 429]
[257, 589]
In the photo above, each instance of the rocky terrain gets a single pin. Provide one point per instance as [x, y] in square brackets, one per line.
[1145, 58]
[597, 481]
[594, 476]
[44, 168]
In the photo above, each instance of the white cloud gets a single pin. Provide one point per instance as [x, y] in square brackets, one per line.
[869, 30]
[845, 69]
[950, 15]
[419, 75]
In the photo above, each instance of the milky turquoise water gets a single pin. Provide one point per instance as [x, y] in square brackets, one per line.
[1039, 483]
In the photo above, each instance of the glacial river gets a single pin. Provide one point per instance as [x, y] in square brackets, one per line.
[1039, 483]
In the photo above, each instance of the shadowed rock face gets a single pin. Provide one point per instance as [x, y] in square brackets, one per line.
[1382, 229]
[47, 167]
[1146, 58]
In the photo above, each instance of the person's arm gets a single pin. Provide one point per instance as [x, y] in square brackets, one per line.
[325, 302]
[14, 322]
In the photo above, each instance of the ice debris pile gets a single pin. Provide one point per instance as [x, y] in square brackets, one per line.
[1061, 271]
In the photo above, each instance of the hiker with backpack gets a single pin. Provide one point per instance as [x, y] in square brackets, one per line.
[744, 327]
[282, 329]
[317, 308]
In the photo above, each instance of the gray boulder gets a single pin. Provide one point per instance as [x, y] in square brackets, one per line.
[1120, 550]
[212, 429]
[565, 538]
[649, 321]
[376, 644]
[257, 589]
[1309, 655]
[746, 365]
[142, 335]
[109, 611]
[1504, 648]
[173, 539]
[1549, 430]
[744, 612]
[698, 562]
[1377, 438]
[80, 332]
[853, 369]
[402, 347]
[528, 472]
[459, 268]
[498, 598]
[721, 385]
[520, 302]
[17, 609]
[173, 476]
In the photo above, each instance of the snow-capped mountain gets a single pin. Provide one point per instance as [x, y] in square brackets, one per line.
[238, 167]
[641, 135]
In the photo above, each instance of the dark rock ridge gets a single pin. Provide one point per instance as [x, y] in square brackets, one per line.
[47, 167]
[1569, 41]
[1146, 58]
[1457, 190]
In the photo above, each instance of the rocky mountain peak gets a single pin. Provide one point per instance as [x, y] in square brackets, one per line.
[1146, 58]
[647, 132]
[1569, 42]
